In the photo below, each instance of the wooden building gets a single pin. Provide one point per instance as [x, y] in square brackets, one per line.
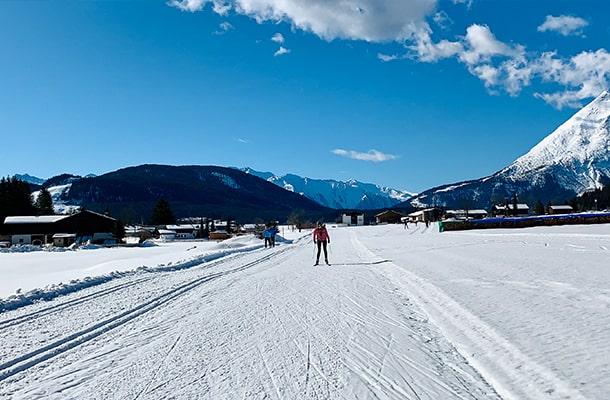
[388, 217]
[508, 210]
[560, 209]
[39, 230]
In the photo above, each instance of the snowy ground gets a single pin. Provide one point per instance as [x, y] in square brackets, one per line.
[401, 314]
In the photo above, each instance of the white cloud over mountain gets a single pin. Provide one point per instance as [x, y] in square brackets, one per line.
[371, 155]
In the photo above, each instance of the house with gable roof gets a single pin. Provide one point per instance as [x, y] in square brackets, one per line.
[60, 230]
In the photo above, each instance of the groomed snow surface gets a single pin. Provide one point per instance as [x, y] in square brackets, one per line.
[400, 314]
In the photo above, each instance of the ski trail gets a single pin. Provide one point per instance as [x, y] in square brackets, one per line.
[33, 357]
[270, 373]
[154, 375]
[511, 372]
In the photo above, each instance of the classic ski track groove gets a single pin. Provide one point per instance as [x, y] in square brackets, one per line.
[480, 343]
[69, 303]
[26, 361]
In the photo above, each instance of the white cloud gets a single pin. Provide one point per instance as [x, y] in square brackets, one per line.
[500, 66]
[188, 5]
[219, 7]
[371, 155]
[278, 38]
[511, 68]
[467, 2]
[224, 27]
[587, 73]
[427, 51]
[369, 20]
[386, 57]
[281, 51]
[564, 25]
[442, 20]
[481, 45]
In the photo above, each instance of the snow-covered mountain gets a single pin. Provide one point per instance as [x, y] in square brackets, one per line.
[577, 153]
[350, 194]
[30, 179]
[573, 159]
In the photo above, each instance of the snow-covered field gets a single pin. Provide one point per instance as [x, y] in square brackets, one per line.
[400, 314]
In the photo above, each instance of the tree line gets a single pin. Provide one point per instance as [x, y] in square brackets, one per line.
[16, 199]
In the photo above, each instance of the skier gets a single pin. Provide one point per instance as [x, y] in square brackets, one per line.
[273, 231]
[267, 233]
[321, 238]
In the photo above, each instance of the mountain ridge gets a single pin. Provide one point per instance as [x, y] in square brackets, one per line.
[350, 194]
[573, 159]
[217, 192]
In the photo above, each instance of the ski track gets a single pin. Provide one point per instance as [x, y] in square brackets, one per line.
[363, 328]
[322, 340]
[33, 357]
[513, 374]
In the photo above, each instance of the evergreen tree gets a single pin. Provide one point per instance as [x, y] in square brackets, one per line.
[15, 198]
[44, 202]
[118, 230]
[539, 208]
[162, 214]
[574, 204]
[206, 231]
[515, 203]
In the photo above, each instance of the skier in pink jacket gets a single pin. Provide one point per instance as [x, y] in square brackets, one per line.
[321, 238]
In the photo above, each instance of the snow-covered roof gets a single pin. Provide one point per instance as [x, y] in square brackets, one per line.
[64, 235]
[476, 211]
[30, 219]
[520, 206]
[182, 227]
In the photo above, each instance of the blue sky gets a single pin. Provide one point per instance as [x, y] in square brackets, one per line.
[408, 94]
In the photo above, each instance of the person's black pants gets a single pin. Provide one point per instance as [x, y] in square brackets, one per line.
[322, 244]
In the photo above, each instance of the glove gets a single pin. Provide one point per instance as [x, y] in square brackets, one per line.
[328, 241]
[314, 241]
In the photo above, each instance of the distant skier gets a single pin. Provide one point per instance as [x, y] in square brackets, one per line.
[321, 238]
[267, 233]
[274, 232]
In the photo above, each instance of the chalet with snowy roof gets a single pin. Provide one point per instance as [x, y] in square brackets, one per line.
[507, 210]
[466, 214]
[428, 214]
[184, 231]
[560, 209]
[57, 229]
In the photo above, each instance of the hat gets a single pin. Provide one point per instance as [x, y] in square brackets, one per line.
[319, 223]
